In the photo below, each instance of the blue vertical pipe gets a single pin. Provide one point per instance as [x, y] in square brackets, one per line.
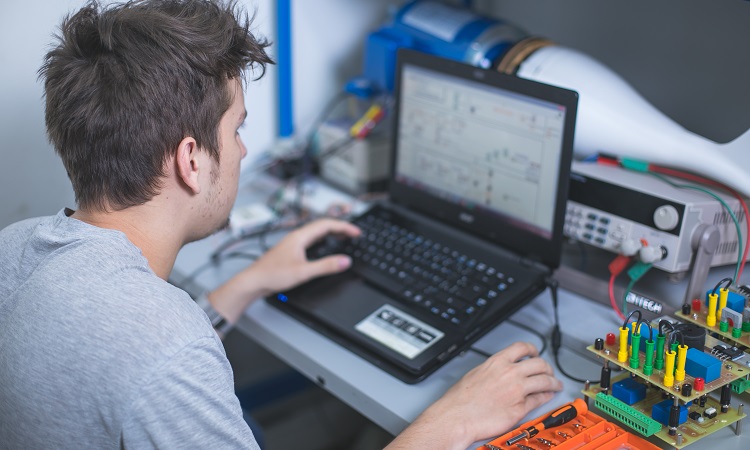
[284, 62]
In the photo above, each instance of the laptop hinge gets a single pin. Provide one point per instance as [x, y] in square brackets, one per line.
[529, 262]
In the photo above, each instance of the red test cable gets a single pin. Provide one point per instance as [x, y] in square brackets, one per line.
[615, 268]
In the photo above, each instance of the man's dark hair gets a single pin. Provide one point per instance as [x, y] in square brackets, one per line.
[128, 82]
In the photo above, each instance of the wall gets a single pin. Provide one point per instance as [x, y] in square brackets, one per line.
[33, 180]
[689, 58]
[328, 39]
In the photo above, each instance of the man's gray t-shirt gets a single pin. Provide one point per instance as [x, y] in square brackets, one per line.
[96, 351]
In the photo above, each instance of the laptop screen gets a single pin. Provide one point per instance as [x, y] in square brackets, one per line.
[481, 147]
[484, 150]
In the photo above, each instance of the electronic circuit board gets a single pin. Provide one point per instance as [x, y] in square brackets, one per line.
[638, 415]
[690, 431]
[730, 372]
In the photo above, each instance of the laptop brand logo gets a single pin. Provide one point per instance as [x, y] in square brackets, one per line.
[466, 217]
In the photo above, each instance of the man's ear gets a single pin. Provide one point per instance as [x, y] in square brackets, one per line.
[188, 164]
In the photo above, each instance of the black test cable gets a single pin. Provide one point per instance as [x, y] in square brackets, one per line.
[557, 336]
[337, 147]
[215, 261]
[523, 327]
[305, 148]
[260, 233]
[304, 155]
[218, 256]
[307, 169]
[306, 158]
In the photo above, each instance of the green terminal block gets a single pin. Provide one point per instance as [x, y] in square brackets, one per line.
[736, 333]
[745, 326]
[627, 415]
[740, 386]
[723, 326]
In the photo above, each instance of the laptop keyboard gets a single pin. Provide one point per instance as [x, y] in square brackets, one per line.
[419, 270]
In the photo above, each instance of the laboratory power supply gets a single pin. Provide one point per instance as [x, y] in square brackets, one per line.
[637, 214]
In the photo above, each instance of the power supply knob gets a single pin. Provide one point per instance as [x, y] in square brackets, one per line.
[666, 217]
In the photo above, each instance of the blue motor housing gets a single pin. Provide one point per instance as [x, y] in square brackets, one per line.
[439, 29]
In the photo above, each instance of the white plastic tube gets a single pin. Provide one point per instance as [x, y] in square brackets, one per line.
[614, 118]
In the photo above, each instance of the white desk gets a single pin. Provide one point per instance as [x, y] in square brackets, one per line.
[389, 402]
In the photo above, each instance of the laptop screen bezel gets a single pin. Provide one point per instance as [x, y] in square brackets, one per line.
[519, 240]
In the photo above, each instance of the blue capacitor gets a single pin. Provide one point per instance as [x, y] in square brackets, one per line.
[702, 365]
[629, 391]
[660, 412]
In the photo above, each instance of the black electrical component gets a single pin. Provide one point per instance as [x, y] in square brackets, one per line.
[686, 309]
[674, 419]
[744, 290]
[702, 401]
[726, 396]
[695, 415]
[686, 390]
[286, 169]
[693, 336]
[727, 352]
[599, 344]
[604, 381]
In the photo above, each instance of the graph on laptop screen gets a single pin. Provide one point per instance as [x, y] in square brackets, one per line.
[481, 147]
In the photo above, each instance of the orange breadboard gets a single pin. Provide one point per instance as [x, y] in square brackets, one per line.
[585, 432]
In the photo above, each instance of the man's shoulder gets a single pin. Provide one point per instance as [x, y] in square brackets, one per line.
[159, 307]
[92, 289]
[22, 228]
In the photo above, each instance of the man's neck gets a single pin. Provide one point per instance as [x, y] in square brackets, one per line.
[147, 228]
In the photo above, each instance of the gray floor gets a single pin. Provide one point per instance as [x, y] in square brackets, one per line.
[294, 413]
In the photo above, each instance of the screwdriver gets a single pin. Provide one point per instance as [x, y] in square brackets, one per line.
[561, 416]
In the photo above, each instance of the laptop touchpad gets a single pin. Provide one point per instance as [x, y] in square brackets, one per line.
[343, 300]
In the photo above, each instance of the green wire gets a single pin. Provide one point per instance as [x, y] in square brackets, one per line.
[719, 199]
[625, 297]
[635, 273]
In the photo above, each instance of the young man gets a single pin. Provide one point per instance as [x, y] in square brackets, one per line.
[96, 349]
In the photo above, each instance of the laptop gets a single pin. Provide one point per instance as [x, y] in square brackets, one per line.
[472, 227]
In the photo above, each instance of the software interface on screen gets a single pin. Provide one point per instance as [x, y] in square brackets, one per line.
[480, 146]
